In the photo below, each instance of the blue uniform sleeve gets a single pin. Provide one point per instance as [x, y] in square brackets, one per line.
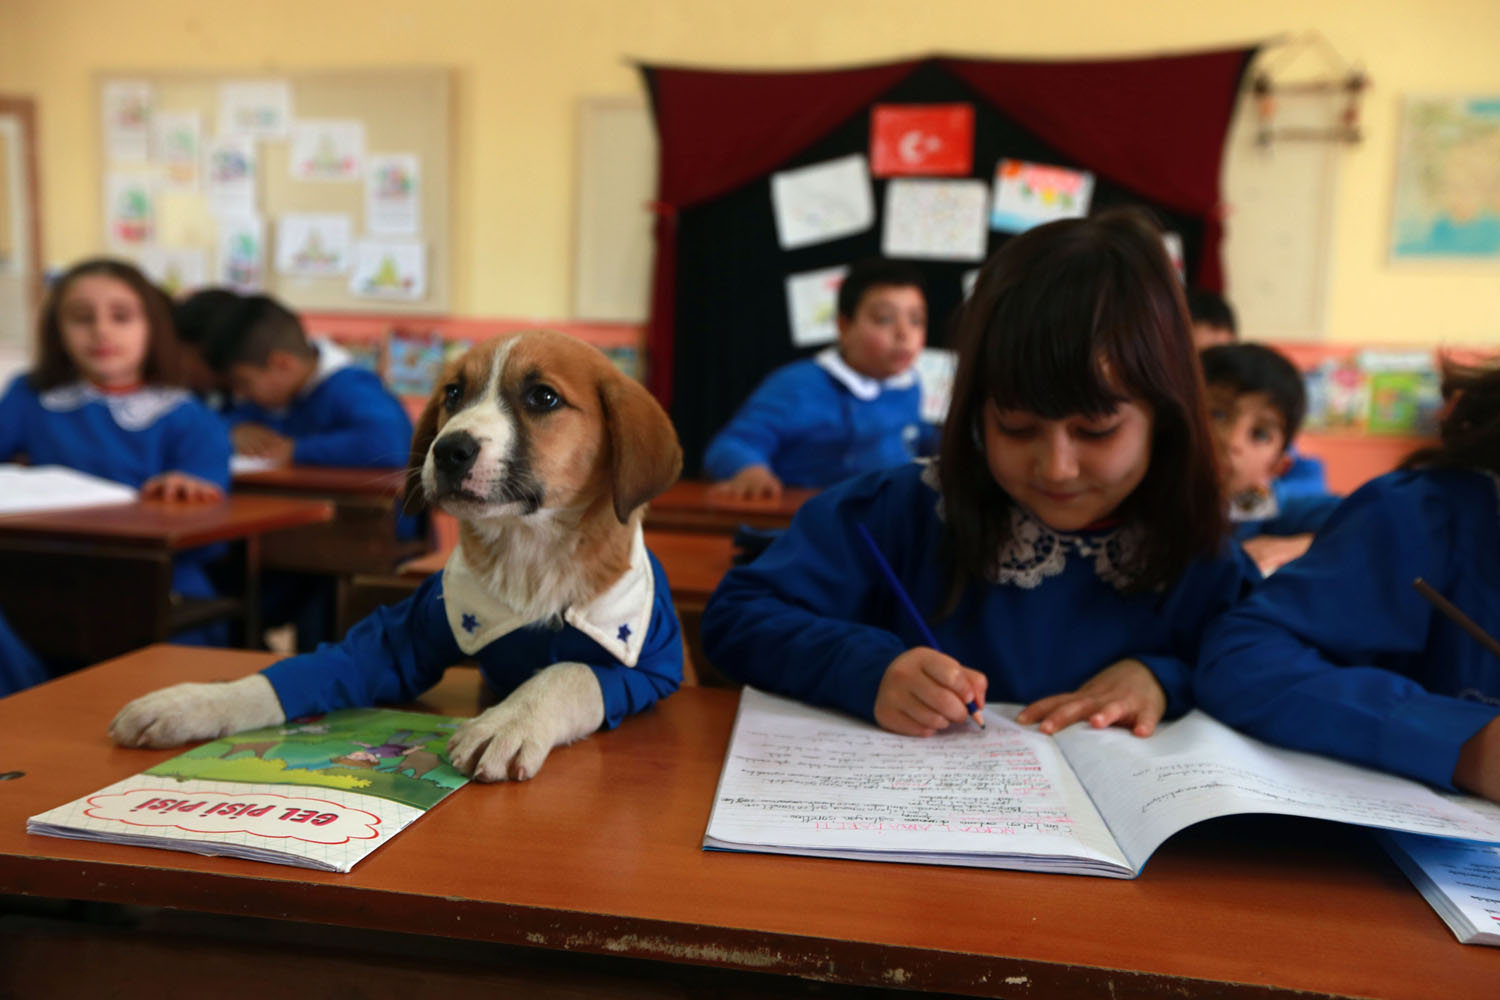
[1208, 589]
[391, 657]
[12, 423]
[771, 416]
[198, 444]
[1302, 515]
[1304, 478]
[19, 666]
[1295, 663]
[365, 426]
[793, 621]
[658, 668]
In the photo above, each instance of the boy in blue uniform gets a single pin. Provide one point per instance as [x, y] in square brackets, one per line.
[1339, 654]
[301, 402]
[1257, 400]
[304, 403]
[847, 410]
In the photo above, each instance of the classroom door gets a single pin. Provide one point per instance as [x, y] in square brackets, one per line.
[20, 231]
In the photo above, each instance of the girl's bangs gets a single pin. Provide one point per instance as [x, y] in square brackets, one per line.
[1045, 354]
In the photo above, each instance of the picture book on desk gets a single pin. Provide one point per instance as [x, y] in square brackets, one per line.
[323, 792]
[1460, 879]
[804, 780]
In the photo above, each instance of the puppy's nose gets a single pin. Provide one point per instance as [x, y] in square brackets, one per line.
[454, 453]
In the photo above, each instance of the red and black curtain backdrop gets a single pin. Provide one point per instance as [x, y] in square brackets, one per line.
[1151, 131]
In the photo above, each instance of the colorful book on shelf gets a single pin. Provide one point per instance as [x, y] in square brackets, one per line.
[803, 780]
[413, 361]
[1460, 879]
[323, 792]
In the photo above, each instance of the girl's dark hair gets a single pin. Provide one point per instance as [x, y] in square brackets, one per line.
[1075, 317]
[1469, 437]
[55, 368]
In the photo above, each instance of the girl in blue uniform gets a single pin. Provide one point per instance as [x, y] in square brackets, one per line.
[1068, 545]
[1339, 654]
[102, 398]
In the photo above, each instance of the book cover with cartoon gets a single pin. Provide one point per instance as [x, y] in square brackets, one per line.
[322, 792]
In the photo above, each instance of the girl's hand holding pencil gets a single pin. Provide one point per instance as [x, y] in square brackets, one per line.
[924, 691]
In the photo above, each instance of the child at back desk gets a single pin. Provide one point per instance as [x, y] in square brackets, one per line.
[301, 402]
[1256, 401]
[103, 399]
[1068, 545]
[1339, 654]
[850, 409]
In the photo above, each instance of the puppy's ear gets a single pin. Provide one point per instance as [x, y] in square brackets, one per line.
[645, 457]
[412, 500]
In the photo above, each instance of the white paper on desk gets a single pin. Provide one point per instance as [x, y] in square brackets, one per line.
[1196, 768]
[250, 463]
[26, 488]
[803, 780]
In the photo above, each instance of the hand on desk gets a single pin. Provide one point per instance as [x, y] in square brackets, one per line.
[1271, 552]
[753, 482]
[1122, 694]
[923, 691]
[262, 442]
[180, 486]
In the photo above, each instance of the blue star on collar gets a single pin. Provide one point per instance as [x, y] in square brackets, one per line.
[470, 623]
[624, 635]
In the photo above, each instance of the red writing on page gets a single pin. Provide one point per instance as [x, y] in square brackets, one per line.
[261, 814]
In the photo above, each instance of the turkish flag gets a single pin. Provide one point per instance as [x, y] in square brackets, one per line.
[921, 139]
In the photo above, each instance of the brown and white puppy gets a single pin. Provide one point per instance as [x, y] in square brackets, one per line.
[546, 454]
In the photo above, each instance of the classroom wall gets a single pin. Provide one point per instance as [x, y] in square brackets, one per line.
[520, 68]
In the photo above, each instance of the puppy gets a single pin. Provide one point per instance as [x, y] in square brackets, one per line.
[547, 455]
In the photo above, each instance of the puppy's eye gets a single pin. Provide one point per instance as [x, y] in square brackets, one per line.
[453, 394]
[541, 397]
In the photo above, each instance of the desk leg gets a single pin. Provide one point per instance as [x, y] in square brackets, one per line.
[251, 594]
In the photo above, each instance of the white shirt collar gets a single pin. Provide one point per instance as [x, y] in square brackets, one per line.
[862, 386]
[617, 619]
[331, 358]
[134, 411]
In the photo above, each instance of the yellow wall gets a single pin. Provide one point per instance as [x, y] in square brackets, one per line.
[520, 66]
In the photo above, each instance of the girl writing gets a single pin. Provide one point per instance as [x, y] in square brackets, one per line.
[100, 399]
[1340, 654]
[1067, 545]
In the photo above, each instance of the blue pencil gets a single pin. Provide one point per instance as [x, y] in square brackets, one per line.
[911, 608]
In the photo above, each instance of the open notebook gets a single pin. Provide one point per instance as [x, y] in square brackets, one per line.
[25, 488]
[802, 780]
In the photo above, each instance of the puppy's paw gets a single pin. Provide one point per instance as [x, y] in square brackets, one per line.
[511, 741]
[186, 712]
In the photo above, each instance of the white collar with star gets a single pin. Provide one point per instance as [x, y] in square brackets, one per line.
[617, 619]
[861, 386]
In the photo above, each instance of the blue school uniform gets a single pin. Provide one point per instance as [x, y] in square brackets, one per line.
[1338, 654]
[1305, 477]
[343, 415]
[628, 636]
[126, 437]
[812, 617]
[1294, 515]
[818, 421]
[19, 667]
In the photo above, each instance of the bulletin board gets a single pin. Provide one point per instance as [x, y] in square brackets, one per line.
[404, 117]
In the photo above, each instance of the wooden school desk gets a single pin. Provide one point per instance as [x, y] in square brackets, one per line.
[360, 538]
[600, 855]
[87, 583]
[687, 506]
